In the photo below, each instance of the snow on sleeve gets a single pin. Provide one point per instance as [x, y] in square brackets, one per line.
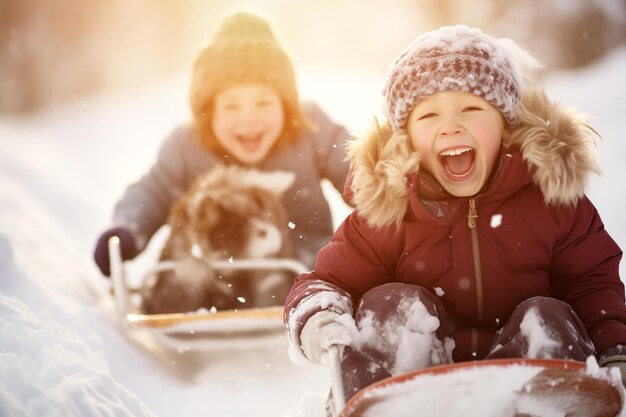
[412, 332]
[539, 342]
[47, 369]
[324, 299]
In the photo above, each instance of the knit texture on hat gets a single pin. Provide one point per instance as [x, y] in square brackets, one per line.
[453, 58]
[244, 50]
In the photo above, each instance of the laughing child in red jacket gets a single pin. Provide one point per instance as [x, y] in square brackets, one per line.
[472, 237]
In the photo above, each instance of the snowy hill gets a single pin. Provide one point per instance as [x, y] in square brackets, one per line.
[61, 352]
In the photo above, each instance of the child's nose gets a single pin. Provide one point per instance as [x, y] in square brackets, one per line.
[247, 117]
[450, 127]
[247, 125]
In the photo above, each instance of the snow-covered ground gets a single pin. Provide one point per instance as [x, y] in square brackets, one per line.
[61, 351]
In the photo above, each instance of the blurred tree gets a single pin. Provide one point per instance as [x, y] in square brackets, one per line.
[55, 50]
[561, 34]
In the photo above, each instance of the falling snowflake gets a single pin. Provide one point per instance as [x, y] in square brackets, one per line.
[496, 220]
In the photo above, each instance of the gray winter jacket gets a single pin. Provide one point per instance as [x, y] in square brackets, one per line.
[313, 156]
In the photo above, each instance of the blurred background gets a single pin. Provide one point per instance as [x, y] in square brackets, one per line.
[56, 51]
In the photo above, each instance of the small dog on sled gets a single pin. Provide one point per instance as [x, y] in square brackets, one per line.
[229, 213]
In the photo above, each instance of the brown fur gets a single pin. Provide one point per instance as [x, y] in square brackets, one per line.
[221, 217]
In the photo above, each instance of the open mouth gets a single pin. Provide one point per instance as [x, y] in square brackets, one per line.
[250, 142]
[458, 162]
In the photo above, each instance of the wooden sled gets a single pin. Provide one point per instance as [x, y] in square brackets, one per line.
[547, 387]
[245, 327]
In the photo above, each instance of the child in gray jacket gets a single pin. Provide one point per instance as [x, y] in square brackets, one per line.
[246, 112]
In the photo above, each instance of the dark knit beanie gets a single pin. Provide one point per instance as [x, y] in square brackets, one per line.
[454, 58]
[243, 50]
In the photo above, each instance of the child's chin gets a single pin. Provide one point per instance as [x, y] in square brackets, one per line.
[462, 188]
[250, 158]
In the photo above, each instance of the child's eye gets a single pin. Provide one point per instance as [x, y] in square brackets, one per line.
[472, 108]
[267, 101]
[229, 106]
[427, 116]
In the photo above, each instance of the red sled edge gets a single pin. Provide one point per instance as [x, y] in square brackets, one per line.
[362, 398]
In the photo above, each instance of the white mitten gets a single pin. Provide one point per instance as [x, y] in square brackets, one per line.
[322, 331]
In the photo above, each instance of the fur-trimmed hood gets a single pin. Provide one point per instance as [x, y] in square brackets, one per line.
[556, 143]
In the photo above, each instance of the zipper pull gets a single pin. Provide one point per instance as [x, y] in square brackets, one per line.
[472, 215]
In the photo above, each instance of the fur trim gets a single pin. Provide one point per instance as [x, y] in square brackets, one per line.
[381, 161]
[556, 143]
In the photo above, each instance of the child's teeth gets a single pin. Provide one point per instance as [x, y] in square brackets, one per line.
[455, 152]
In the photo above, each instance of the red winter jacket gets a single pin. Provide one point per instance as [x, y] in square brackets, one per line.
[531, 232]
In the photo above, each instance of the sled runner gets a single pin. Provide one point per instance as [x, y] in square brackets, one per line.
[500, 387]
[202, 330]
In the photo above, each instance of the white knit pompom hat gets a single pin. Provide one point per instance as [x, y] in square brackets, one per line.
[456, 58]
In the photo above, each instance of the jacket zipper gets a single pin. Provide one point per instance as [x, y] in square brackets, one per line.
[478, 276]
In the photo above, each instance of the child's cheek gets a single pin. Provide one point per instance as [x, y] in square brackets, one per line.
[488, 136]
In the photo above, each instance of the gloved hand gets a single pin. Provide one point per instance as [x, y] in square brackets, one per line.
[320, 332]
[617, 361]
[127, 245]
[615, 357]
